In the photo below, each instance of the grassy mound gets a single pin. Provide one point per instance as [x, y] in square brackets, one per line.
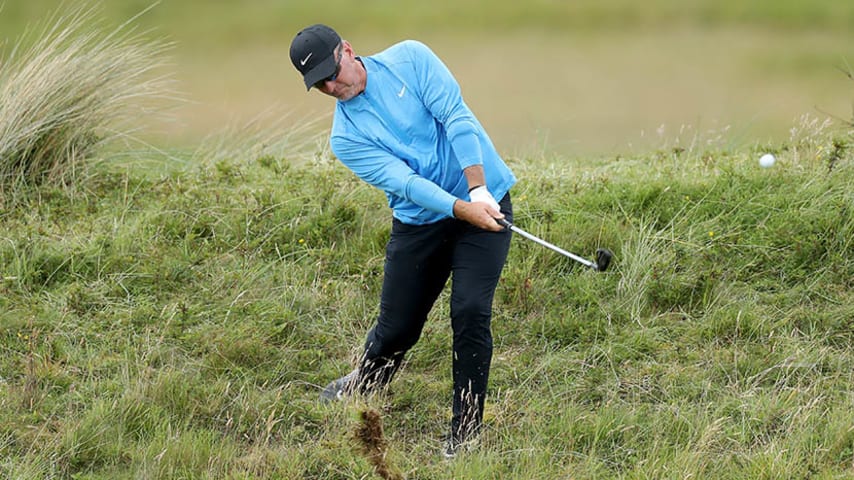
[181, 325]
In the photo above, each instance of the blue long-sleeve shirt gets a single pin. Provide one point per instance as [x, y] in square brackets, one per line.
[411, 135]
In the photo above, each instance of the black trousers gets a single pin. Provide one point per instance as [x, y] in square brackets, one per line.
[419, 261]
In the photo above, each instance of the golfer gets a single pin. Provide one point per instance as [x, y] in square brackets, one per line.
[401, 125]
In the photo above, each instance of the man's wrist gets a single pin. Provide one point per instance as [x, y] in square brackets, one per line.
[481, 194]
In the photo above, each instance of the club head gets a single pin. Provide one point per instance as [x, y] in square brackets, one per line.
[603, 259]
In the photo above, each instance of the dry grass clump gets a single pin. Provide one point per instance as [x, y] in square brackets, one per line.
[73, 88]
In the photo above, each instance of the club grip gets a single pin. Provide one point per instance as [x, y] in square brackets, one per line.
[504, 223]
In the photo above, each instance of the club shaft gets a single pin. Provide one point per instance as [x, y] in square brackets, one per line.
[548, 245]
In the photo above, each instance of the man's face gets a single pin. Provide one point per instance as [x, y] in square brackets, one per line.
[346, 83]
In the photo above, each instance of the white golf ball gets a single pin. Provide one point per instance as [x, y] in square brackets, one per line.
[767, 160]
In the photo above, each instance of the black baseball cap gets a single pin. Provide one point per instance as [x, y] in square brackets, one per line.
[313, 53]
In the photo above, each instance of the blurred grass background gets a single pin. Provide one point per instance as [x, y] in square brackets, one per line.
[582, 77]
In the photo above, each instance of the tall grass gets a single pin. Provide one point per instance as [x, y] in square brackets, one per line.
[69, 92]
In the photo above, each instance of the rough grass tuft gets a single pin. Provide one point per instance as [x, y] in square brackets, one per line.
[73, 89]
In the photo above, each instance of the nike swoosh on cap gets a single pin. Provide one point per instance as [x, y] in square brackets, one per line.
[302, 62]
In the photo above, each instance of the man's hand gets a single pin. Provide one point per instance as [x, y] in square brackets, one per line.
[479, 214]
[483, 209]
[481, 194]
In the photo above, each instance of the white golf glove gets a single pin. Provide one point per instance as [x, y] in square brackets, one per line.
[481, 194]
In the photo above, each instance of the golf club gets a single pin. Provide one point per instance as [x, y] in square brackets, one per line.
[603, 255]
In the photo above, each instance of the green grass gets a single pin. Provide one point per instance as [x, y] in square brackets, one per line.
[220, 23]
[180, 325]
[175, 316]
